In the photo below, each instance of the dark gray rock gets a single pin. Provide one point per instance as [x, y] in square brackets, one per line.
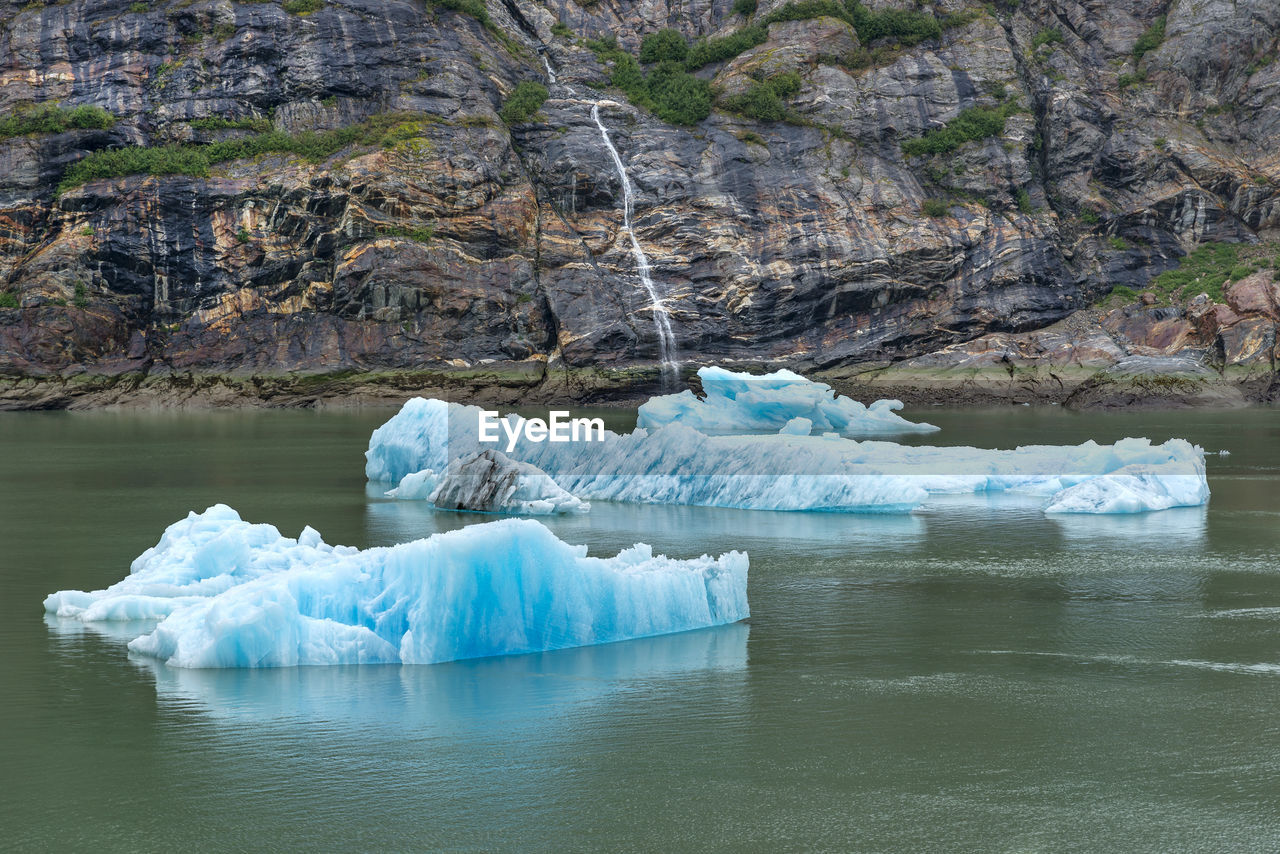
[788, 242]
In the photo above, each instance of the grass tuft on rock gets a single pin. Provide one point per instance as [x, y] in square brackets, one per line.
[196, 160]
[52, 118]
[524, 101]
[972, 124]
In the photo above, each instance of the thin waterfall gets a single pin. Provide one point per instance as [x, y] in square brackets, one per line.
[661, 319]
[551, 75]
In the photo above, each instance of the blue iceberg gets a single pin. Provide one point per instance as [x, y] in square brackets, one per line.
[791, 470]
[743, 403]
[234, 594]
[1135, 489]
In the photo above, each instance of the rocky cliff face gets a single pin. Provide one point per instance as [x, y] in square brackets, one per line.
[443, 246]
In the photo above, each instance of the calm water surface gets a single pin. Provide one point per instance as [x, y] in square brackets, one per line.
[975, 676]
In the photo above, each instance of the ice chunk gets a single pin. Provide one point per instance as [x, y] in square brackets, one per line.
[490, 482]
[798, 426]
[676, 464]
[415, 439]
[416, 486]
[1132, 492]
[200, 556]
[503, 587]
[742, 403]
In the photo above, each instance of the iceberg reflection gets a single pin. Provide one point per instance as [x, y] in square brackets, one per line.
[1176, 528]
[671, 527]
[458, 695]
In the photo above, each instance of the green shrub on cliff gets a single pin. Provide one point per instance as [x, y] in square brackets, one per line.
[907, 28]
[973, 123]
[707, 51]
[935, 207]
[8, 299]
[196, 160]
[474, 8]
[51, 118]
[419, 234]
[663, 46]
[678, 97]
[523, 102]
[220, 123]
[805, 10]
[667, 90]
[1206, 269]
[1049, 35]
[903, 27]
[1151, 39]
[302, 7]
[764, 99]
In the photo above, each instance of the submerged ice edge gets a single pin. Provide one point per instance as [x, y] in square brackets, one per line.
[233, 594]
[781, 401]
[677, 464]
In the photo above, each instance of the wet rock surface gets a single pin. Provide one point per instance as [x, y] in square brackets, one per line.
[459, 254]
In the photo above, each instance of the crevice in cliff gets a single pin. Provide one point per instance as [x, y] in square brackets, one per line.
[1039, 110]
[552, 344]
[521, 21]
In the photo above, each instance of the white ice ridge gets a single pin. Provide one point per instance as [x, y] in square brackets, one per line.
[242, 595]
[742, 403]
[676, 464]
[490, 482]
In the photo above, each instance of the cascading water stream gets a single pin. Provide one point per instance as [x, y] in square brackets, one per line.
[661, 319]
[551, 75]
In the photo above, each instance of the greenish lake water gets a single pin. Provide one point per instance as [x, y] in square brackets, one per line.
[973, 677]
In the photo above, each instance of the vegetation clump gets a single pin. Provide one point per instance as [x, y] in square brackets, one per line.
[764, 99]
[667, 89]
[707, 51]
[1049, 35]
[524, 101]
[906, 28]
[8, 299]
[196, 160]
[220, 123]
[1205, 270]
[418, 233]
[935, 207]
[51, 118]
[302, 7]
[1150, 39]
[664, 46]
[973, 123]
[678, 97]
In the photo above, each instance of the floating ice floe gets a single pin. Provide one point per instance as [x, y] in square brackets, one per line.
[742, 403]
[789, 470]
[1132, 490]
[234, 594]
[490, 482]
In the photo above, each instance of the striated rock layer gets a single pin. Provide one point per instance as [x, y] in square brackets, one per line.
[450, 251]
